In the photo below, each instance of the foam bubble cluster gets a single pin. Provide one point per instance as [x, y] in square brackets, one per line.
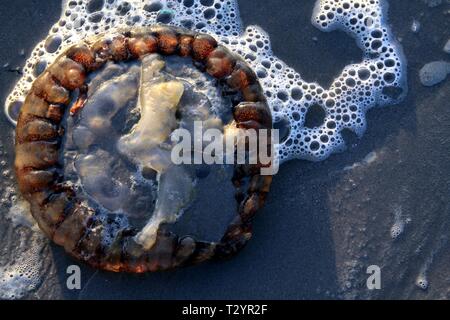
[422, 282]
[23, 274]
[400, 222]
[379, 79]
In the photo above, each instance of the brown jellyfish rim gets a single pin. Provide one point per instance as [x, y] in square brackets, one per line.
[54, 202]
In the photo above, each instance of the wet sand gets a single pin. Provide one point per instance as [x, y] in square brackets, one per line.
[324, 223]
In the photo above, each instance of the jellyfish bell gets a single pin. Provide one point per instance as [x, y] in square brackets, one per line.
[101, 181]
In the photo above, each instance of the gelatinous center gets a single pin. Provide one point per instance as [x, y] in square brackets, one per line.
[120, 147]
[158, 101]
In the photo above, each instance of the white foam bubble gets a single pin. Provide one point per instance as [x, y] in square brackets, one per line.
[23, 272]
[379, 79]
[441, 245]
[422, 282]
[23, 275]
[400, 222]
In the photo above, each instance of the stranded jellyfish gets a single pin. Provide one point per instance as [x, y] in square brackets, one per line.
[93, 150]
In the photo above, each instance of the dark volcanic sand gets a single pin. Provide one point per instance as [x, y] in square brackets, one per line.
[323, 225]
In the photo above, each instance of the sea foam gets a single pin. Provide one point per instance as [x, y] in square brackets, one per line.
[378, 80]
